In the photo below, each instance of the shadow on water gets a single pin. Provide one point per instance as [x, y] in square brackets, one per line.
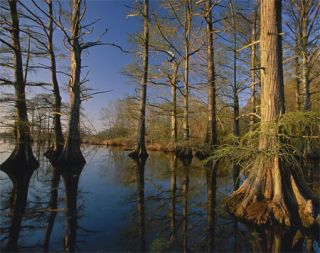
[174, 206]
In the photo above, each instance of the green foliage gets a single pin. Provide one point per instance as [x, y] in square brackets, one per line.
[292, 131]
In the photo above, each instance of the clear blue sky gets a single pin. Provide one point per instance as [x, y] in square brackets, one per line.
[106, 62]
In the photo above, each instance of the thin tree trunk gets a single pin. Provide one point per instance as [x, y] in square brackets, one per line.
[187, 34]
[173, 82]
[305, 75]
[236, 107]
[140, 149]
[211, 136]
[58, 135]
[297, 74]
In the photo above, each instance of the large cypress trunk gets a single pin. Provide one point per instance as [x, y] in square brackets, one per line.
[274, 192]
[72, 153]
[140, 150]
[22, 159]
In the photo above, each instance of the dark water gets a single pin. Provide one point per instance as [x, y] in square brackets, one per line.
[122, 205]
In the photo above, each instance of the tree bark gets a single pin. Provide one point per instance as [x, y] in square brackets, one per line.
[274, 192]
[297, 74]
[140, 150]
[173, 83]
[305, 75]
[211, 136]
[253, 66]
[72, 153]
[187, 34]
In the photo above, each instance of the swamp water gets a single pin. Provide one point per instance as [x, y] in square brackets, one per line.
[122, 205]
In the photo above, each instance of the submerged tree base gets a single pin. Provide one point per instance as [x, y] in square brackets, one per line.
[66, 158]
[275, 195]
[184, 152]
[139, 153]
[20, 161]
[204, 152]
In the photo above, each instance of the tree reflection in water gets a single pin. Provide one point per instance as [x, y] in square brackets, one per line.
[174, 206]
[140, 163]
[70, 175]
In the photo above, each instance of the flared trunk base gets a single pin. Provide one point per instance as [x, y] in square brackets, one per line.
[259, 201]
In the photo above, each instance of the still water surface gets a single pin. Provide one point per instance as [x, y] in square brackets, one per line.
[126, 206]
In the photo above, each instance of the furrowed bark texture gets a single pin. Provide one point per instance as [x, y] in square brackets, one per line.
[275, 193]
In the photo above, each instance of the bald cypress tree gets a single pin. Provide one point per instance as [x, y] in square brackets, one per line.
[275, 192]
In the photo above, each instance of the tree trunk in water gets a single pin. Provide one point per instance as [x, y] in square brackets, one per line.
[211, 136]
[187, 34]
[58, 142]
[274, 192]
[72, 153]
[236, 107]
[140, 150]
[21, 160]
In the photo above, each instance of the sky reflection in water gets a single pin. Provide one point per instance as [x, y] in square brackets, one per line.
[125, 206]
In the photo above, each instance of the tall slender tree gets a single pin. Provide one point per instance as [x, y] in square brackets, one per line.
[211, 137]
[140, 149]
